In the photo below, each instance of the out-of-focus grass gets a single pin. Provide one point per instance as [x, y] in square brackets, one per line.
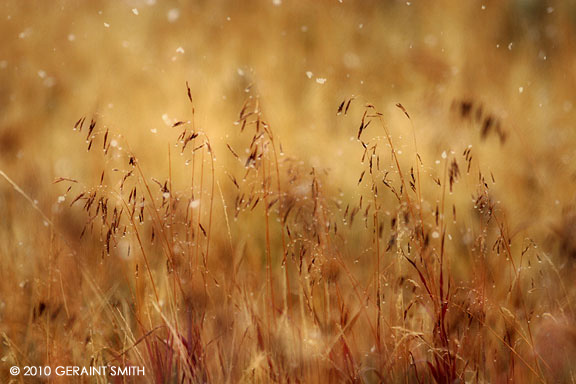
[496, 253]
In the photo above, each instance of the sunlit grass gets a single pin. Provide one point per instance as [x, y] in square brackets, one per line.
[288, 191]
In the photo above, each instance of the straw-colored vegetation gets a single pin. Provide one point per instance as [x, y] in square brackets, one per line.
[289, 191]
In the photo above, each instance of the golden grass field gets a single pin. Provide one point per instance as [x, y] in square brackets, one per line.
[288, 191]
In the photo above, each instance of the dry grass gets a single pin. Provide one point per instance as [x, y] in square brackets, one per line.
[181, 190]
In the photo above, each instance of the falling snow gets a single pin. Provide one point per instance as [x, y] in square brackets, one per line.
[173, 15]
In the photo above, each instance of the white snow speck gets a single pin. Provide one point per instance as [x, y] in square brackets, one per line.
[24, 34]
[542, 55]
[173, 15]
[180, 50]
[510, 46]
[309, 74]
[135, 11]
[549, 10]
[42, 74]
[520, 89]
[106, 25]
[71, 37]
[240, 72]
[61, 199]
[167, 120]
[154, 130]
[444, 155]
[435, 235]
[277, 2]
[320, 80]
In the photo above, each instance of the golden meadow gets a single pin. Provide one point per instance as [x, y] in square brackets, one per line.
[289, 191]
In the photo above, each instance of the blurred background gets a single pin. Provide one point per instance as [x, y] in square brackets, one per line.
[128, 61]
